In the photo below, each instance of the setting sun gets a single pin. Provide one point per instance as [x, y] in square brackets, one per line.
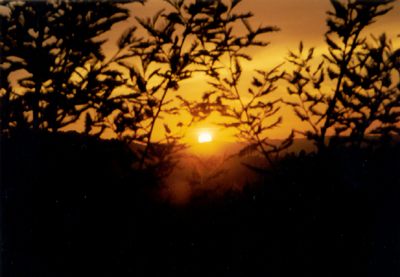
[204, 137]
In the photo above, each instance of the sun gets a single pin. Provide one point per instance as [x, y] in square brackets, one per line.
[204, 137]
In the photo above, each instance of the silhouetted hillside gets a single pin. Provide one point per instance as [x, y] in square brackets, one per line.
[72, 206]
[64, 196]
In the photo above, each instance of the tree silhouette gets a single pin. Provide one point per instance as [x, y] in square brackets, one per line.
[351, 94]
[252, 113]
[52, 50]
[180, 42]
[53, 73]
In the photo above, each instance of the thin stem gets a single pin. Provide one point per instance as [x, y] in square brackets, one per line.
[159, 108]
[244, 108]
[153, 122]
[346, 59]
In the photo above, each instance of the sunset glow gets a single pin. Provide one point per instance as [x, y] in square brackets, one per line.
[195, 137]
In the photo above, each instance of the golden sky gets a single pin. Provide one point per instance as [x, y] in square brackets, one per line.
[299, 20]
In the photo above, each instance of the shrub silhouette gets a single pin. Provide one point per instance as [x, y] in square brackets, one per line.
[52, 50]
[189, 38]
[364, 100]
[62, 74]
[252, 119]
[172, 51]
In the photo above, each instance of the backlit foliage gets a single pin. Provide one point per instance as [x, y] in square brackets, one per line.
[353, 93]
[52, 51]
[251, 112]
[53, 74]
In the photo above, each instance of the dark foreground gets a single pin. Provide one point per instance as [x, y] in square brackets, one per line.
[72, 206]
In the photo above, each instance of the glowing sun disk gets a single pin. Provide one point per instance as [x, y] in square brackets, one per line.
[204, 137]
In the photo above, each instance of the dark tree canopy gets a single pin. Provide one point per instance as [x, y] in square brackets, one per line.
[364, 100]
[52, 49]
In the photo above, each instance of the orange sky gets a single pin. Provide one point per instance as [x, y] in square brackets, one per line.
[298, 19]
